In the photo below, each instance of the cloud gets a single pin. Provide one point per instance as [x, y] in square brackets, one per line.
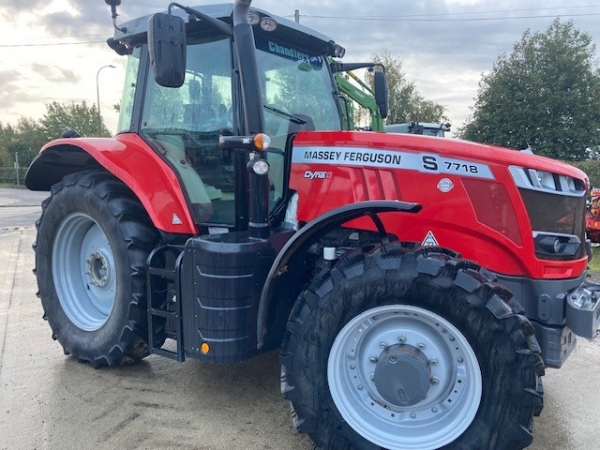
[12, 93]
[8, 77]
[11, 7]
[445, 45]
[55, 73]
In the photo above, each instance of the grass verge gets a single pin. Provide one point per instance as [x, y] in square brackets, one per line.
[594, 264]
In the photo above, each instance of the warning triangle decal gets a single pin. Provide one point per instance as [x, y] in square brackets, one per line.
[176, 220]
[430, 240]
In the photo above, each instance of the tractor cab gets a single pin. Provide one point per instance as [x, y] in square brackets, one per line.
[184, 123]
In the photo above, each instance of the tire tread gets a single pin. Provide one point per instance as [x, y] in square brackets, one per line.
[140, 237]
[488, 303]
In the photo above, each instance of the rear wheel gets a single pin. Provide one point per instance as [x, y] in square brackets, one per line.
[410, 349]
[93, 241]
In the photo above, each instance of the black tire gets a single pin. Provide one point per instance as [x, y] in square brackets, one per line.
[98, 316]
[457, 291]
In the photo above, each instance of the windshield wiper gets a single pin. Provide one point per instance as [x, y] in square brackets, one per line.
[281, 112]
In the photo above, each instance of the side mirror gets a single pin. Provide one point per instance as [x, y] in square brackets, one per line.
[167, 49]
[381, 92]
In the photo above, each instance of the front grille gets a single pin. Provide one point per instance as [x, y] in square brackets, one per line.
[555, 205]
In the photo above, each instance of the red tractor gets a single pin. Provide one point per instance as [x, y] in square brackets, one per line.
[416, 286]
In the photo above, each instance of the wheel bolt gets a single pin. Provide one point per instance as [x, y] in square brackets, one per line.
[352, 366]
[383, 344]
[433, 361]
[421, 345]
[373, 359]
[360, 387]
[402, 339]
[451, 338]
[460, 360]
[434, 409]
[393, 359]
[413, 415]
[434, 381]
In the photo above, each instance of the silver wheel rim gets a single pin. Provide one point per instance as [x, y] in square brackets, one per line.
[84, 273]
[451, 401]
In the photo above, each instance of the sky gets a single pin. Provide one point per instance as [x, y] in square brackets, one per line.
[56, 51]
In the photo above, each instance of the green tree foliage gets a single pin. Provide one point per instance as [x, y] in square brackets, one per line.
[405, 103]
[27, 136]
[546, 94]
[24, 139]
[79, 116]
[592, 170]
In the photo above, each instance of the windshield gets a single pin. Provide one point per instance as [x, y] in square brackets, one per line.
[295, 83]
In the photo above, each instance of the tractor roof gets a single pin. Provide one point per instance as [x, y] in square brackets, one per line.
[287, 30]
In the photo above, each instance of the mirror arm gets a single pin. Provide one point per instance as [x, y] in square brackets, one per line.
[113, 11]
[221, 26]
[337, 66]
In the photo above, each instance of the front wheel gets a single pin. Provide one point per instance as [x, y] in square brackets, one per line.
[413, 350]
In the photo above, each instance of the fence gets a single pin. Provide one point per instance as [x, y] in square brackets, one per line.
[9, 175]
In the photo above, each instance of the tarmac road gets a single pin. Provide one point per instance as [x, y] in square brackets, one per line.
[49, 401]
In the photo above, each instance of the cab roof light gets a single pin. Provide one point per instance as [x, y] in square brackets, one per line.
[268, 24]
[253, 18]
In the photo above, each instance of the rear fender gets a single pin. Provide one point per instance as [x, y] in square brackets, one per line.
[130, 159]
[308, 235]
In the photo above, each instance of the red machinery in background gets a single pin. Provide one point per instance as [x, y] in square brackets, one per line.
[592, 218]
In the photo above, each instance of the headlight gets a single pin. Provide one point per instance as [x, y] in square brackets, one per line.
[545, 179]
[260, 167]
[556, 245]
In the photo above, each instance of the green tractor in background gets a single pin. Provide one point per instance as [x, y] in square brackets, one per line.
[361, 94]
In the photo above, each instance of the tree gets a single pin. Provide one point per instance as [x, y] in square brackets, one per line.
[28, 135]
[405, 103]
[544, 95]
[79, 116]
[25, 139]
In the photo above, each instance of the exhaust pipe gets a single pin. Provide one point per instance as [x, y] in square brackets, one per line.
[245, 48]
[240, 11]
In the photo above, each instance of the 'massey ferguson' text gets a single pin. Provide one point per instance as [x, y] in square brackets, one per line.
[354, 156]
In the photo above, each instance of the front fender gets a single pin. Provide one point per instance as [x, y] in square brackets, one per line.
[129, 158]
[307, 236]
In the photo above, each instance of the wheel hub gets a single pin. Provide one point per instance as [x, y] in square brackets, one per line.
[402, 375]
[98, 269]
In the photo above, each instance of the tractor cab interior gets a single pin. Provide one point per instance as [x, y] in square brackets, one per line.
[185, 123]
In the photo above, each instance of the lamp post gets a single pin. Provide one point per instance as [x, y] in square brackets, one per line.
[98, 97]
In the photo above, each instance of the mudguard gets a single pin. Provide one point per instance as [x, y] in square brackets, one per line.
[302, 240]
[129, 158]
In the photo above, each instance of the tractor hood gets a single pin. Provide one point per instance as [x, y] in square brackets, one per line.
[419, 148]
